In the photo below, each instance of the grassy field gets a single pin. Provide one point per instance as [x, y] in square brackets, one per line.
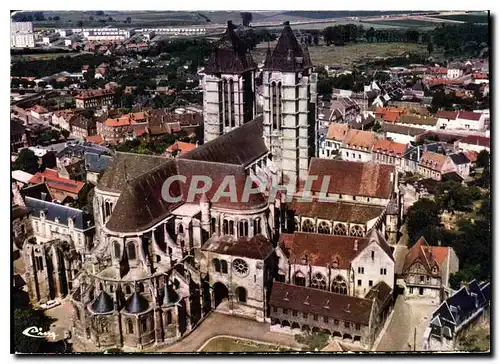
[44, 56]
[477, 338]
[481, 18]
[230, 345]
[350, 54]
[407, 23]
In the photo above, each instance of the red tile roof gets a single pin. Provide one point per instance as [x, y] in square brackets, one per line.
[337, 131]
[353, 178]
[94, 93]
[97, 139]
[181, 146]
[450, 115]
[469, 115]
[433, 160]
[471, 155]
[387, 146]
[360, 139]
[322, 250]
[476, 140]
[55, 182]
[324, 303]
[427, 255]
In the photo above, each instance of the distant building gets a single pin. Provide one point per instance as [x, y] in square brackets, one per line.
[357, 145]
[59, 187]
[95, 98]
[21, 35]
[434, 165]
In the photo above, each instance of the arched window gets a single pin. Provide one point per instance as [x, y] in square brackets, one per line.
[131, 250]
[256, 226]
[223, 266]
[339, 285]
[111, 288]
[216, 265]
[169, 317]
[116, 246]
[231, 227]
[308, 226]
[299, 279]
[144, 325]
[241, 293]
[225, 102]
[243, 228]
[130, 327]
[128, 290]
[231, 102]
[319, 281]
[141, 287]
[180, 229]
[225, 227]
[212, 225]
[340, 229]
[100, 286]
[324, 228]
[357, 230]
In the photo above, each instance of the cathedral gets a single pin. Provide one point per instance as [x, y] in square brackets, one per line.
[143, 272]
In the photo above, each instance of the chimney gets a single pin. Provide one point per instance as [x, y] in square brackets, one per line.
[356, 245]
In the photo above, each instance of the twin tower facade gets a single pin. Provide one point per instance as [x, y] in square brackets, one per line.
[290, 99]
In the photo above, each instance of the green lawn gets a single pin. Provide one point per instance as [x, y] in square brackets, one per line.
[350, 54]
[230, 345]
[481, 18]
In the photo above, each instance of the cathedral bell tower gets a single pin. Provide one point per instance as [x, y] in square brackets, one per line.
[290, 126]
[228, 86]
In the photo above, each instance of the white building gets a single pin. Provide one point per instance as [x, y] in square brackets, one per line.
[357, 145]
[50, 38]
[21, 35]
[465, 120]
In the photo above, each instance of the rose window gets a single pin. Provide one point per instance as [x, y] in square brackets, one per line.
[240, 266]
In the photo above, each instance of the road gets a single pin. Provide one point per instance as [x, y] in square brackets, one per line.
[400, 333]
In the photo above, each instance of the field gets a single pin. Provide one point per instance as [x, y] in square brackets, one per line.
[473, 18]
[231, 345]
[350, 54]
[404, 23]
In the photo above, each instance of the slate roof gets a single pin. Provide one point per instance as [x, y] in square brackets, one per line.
[337, 211]
[382, 292]
[288, 55]
[353, 178]
[82, 220]
[324, 303]
[39, 191]
[141, 204]
[257, 247]
[136, 303]
[97, 162]
[459, 158]
[240, 146]
[230, 56]
[19, 211]
[127, 166]
[103, 303]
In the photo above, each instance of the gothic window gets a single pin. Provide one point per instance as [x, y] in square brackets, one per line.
[274, 105]
[357, 230]
[223, 266]
[180, 229]
[225, 102]
[128, 290]
[241, 293]
[324, 228]
[103, 325]
[116, 246]
[144, 325]
[216, 265]
[231, 227]
[340, 229]
[308, 226]
[319, 281]
[225, 227]
[130, 327]
[231, 102]
[339, 285]
[169, 317]
[299, 279]
[240, 267]
[243, 228]
[23, 229]
[39, 263]
[212, 225]
[131, 250]
[256, 226]
[141, 287]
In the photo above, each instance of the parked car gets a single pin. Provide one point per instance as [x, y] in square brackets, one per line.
[49, 304]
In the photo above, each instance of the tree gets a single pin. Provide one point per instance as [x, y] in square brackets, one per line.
[23, 319]
[421, 215]
[56, 18]
[129, 19]
[483, 159]
[26, 161]
[370, 34]
[246, 17]
[316, 39]
[65, 133]
[79, 24]
[313, 341]
[376, 126]
[91, 18]
[49, 160]
[110, 19]
[430, 48]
